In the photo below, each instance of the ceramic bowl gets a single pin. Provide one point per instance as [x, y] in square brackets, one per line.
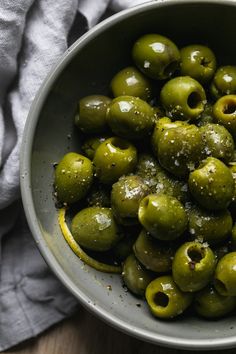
[87, 68]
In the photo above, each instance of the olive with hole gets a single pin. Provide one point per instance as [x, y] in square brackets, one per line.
[91, 113]
[154, 254]
[73, 177]
[210, 227]
[212, 184]
[218, 142]
[131, 82]
[135, 276]
[114, 158]
[126, 195]
[163, 216]
[208, 303]
[180, 149]
[224, 111]
[130, 117]
[95, 229]
[225, 275]
[156, 56]
[193, 266]
[165, 299]
[183, 98]
[224, 81]
[198, 61]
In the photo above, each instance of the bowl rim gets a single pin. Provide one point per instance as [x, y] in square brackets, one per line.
[28, 204]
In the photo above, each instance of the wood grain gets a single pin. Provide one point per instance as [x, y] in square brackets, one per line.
[85, 334]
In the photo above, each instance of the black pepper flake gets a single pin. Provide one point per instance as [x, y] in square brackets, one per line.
[109, 287]
[138, 305]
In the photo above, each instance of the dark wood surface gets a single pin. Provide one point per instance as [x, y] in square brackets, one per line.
[85, 334]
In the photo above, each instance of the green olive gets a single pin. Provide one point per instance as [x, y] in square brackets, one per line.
[148, 168]
[183, 98]
[212, 184]
[91, 114]
[198, 61]
[73, 177]
[163, 216]
[135, 276]
[161, 125]
[91, 144]
[193, 266]
[126, 195]
[156, 56]
[209, 304]
[224, 111]
[210, 227]
[95, 229]
[224, 82]
[153, 254]
[165, 299]
[180, 149]
[130, 117]
[114, 158]
[218, 142]
[131, 82]
[225, 275]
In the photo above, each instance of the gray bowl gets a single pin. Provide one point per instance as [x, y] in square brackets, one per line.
[86, 68]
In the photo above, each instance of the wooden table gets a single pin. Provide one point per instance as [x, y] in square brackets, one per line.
[85, 334]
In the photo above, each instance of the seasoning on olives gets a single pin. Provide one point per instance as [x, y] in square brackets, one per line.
[131, 82]
[165, 299]
[163, 216]
[212, 184]
[126, 195]
[135, 276]
[156, 56]
[193, 266]
[130, 117]
[95, 229]
[73, 177]
[218, 142]
[91, 114]
[180, 149]
[183, 98]
[198, 61]
[114, 158]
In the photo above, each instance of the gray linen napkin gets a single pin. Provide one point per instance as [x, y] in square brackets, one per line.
[33, 35]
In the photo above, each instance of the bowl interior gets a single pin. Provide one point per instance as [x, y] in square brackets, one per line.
[86, 69]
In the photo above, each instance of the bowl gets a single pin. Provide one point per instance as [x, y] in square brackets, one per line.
[87, 68]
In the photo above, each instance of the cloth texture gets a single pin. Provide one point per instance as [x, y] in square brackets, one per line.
[33, 36]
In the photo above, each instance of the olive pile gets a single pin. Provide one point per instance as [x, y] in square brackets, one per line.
[156, 180]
